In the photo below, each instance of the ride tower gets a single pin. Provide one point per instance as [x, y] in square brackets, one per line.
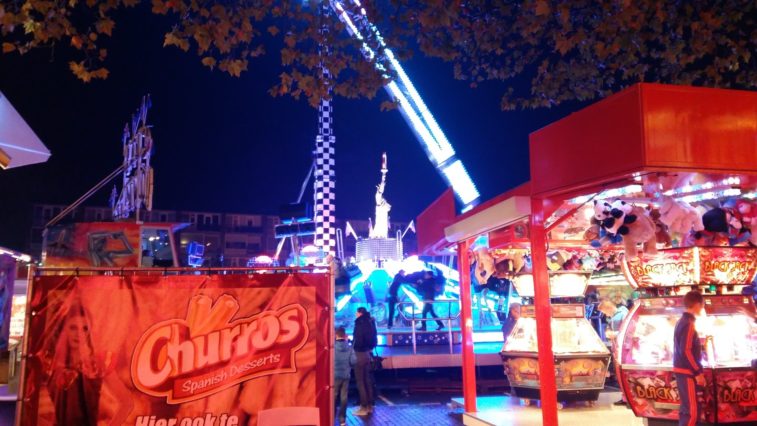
[324, 184]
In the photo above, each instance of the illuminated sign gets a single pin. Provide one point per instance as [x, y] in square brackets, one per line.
[692, 266]
[561, 284]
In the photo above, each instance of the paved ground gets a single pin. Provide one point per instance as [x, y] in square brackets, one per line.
[7, 412]
[429, 414]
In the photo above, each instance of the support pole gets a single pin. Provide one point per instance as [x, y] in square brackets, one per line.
[547, 381]
[466, 327]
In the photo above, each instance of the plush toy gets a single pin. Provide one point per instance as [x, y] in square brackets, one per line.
[747, 210]
[680, 217]
[573, 264]
[604, 239]
[705, 239]
[484, 265]
[597, 237]
[722, 220]
[613, 217]
[641, 230]
[557, 259]
[592, 232]
[661, 229]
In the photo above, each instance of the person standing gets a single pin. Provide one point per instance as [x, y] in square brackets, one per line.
[428, 292]
[509, 323]
[615, 315]
[391, 300]
[364, 339]
[687, 359]
[344, 360]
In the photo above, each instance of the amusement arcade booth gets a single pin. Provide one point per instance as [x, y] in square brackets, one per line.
[501, 258]
[666, 176]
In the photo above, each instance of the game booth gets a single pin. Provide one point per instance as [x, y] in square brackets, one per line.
[663, 181]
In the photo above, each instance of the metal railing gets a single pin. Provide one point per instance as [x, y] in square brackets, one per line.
[129, 271]
[448, 318]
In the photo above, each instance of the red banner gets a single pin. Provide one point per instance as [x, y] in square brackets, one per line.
[211, 350]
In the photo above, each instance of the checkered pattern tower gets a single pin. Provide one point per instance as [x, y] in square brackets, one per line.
[325, 173]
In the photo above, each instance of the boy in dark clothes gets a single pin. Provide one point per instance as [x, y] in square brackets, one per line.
[428, 292]
[344, 360]
[393, 294]
[687, 360]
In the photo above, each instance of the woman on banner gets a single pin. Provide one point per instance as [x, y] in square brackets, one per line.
[76, 374]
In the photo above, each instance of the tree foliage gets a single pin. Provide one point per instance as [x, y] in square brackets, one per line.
[544, 52]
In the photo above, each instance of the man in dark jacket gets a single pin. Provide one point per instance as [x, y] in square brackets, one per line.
[391, 300]
[344, 360]
[364, 340]
[687, 360]
[428, 292]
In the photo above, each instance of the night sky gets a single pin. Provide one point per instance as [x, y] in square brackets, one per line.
[223, 144]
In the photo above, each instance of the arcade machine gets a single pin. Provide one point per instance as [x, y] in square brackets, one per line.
[581, 358]
[727, 329]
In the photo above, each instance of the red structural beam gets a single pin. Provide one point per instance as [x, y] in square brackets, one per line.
[466, 326]
[547, 382]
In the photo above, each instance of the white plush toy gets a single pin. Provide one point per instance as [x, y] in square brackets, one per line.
[680, 217]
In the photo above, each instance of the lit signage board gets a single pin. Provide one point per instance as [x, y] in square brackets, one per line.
[692, 266]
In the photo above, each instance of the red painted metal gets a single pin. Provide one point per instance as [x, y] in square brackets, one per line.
[548, 384]
[431, 222]
[466, 326]
[646, 128]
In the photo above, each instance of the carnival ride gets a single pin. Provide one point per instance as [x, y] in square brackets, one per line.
[401, 90]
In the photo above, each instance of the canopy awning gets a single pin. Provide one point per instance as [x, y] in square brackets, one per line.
[19, 146]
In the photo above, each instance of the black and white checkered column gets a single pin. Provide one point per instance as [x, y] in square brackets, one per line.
[325, 195]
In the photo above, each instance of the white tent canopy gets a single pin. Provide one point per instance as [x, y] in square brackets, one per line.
[19, 146]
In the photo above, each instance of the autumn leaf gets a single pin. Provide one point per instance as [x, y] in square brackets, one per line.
[388, 106]
[76, 42]
[172, 39]
[8, 47]
[273, 30]
[80, 71]
[542, 8]
[209, 62]
[105, 26]
[101, 73]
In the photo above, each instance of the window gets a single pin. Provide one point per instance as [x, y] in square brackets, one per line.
[156, 248]
[163, 218]
[216, 219]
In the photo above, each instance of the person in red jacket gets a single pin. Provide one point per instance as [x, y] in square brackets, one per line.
[687, 360]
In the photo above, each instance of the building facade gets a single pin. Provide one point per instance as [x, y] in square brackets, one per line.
[230, 239]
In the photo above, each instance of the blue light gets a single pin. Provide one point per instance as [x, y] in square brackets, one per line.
[415, 111]
[341, 303]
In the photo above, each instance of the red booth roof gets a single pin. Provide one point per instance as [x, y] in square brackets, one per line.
[646, 128]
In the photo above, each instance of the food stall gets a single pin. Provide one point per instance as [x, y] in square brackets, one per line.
[641, 166]
[728, 330]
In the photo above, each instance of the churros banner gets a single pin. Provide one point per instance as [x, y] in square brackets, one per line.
[189, 350]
